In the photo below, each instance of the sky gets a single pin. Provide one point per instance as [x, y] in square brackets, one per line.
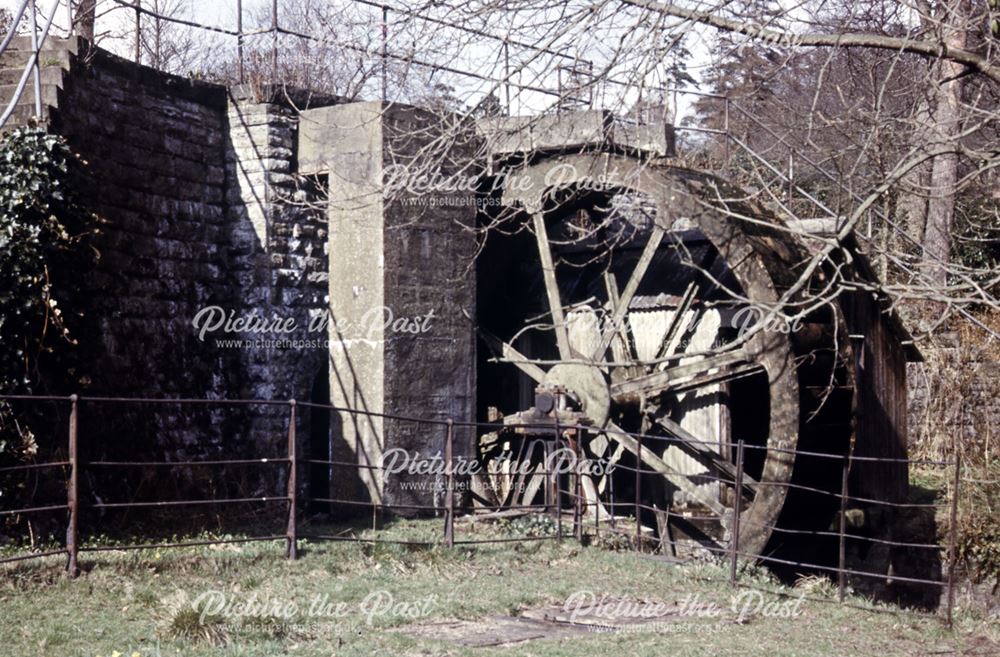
[117, 21]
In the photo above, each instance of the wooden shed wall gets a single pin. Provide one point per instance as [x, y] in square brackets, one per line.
[880, 362]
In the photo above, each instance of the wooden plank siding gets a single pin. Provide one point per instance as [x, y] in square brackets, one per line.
[880, 362]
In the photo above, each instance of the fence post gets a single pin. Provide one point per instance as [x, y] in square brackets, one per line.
[557, 489]
[611, 504]
[547, 471]
[842, 537]
[638, 467]
[72, 491]
[597, 512]
[449, 491]
[734, 541]
[578, 491]
[597, 515]
[953, 538]
[293, 538]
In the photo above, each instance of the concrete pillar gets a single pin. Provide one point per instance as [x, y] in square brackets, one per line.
[402, 285]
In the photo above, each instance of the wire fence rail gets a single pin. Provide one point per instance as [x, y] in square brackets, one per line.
[571, 511]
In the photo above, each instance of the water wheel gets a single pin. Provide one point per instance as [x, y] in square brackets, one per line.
[626, 297]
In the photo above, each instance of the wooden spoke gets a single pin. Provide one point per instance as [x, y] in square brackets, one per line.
[621, 308]
[671, 337]
[702, 453]
[513, 356]
[659, 465]
[655, 383]
[535, 483]
[614, 301]
[716, 377]
[697, 534]
[591, 494]
[612, 460]
[552, 287]
[522, 363]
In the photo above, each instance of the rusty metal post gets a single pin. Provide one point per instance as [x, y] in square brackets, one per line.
[638, 467]
[597, 510]
[449, 491]
[557, 489]
[138, 31]
[385, 53]
[734, 540]
[547, 471]
[292, 535]
[842, 537]
[953, 538]
[578, 510]
[239, 41]
[73, 491]
[611, 503]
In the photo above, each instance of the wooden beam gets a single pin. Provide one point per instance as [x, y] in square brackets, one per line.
[659, 465]
[512, 355]
[700, 451]
[552, 286]
[724, 375]
[669, 344]
[533, 485]
[614, 301]
[522, 363]
[655, 383]
[621, 308]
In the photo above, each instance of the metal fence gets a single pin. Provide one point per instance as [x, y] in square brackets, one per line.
[564, 501]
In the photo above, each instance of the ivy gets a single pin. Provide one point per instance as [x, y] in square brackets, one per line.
[45, 253]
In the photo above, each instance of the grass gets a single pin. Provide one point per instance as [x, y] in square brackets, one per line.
[352, 599]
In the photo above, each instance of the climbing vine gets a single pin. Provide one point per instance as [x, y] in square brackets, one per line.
[45, 254]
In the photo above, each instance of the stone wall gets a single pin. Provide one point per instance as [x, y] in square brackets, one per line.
[209, 214]
[277, 260]
[200, 207]
[155, 152]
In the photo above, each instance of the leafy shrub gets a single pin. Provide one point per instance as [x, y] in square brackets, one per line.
[534, 525]
[45, 251]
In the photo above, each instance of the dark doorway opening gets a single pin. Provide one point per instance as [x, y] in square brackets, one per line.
[320, 443]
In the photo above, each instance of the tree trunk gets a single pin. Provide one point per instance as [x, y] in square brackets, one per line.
[83, 20]
[944, 170]
[913, 195]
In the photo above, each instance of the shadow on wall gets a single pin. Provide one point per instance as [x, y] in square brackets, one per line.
[190, 178]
